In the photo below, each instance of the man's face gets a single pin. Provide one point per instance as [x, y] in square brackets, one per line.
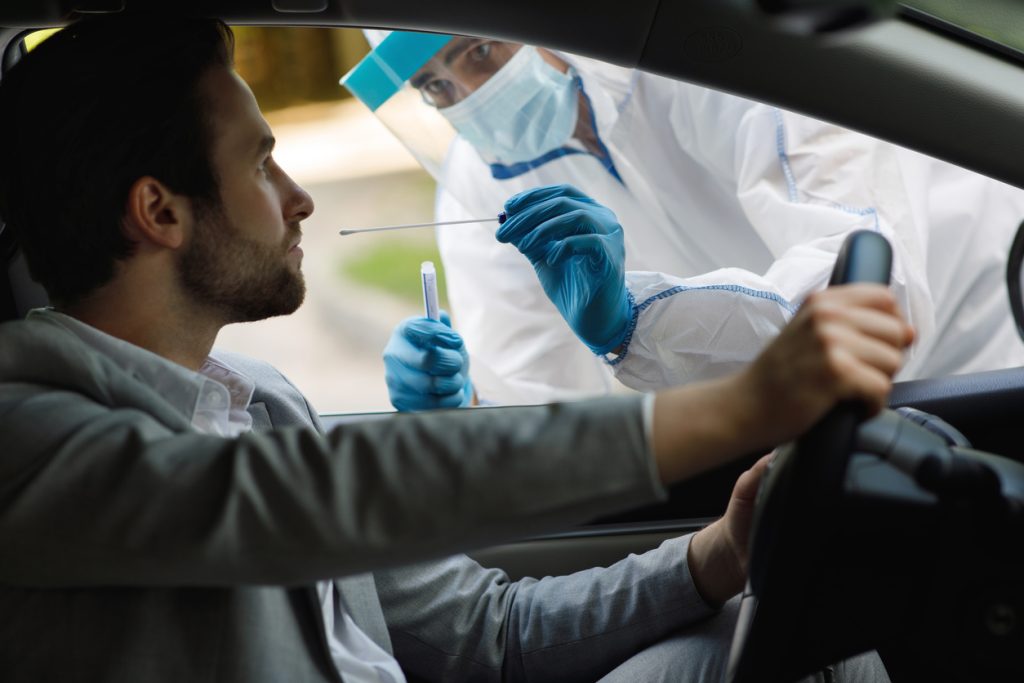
[459, 68]
[244, 257]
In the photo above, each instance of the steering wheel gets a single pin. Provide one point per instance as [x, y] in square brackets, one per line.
[789, 525]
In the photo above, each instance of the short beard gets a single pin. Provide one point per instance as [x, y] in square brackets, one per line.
[241, 279]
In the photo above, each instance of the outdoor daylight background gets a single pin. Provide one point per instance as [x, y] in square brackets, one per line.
[358, 287]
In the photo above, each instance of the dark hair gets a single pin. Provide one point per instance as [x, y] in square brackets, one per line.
[96, 106]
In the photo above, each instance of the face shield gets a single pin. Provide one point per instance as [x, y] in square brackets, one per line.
[513, 103]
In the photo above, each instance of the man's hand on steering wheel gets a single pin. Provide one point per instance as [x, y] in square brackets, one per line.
[719, 553]
[844, 344]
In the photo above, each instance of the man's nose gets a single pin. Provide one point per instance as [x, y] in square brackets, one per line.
[300, 204]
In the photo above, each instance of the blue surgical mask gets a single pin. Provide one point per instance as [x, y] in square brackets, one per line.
[526, 109]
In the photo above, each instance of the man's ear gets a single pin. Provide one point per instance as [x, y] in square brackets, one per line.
[157, 215]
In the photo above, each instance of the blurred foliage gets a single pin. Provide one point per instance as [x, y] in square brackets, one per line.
[288, 66]
[394, 266]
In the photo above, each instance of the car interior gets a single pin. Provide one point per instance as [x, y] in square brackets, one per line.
[913, 547]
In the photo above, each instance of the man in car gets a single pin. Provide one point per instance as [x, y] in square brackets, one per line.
[168, 513]
[722, 215]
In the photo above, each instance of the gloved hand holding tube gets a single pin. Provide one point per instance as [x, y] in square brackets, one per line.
[425, 361]
[576, 248]
[426, 366]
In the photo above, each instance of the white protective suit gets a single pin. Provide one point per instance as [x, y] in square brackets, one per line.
[733, 212]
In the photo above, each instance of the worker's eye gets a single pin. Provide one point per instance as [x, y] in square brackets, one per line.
[438, 92]
[479, 52]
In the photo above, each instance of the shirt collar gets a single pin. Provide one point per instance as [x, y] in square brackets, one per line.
[215, 399]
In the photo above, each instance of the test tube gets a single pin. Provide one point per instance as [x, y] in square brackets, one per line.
[428, 277]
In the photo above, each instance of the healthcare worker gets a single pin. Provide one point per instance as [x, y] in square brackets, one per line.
[722, 216]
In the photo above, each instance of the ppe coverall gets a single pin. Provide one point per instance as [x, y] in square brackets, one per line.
[733, 212]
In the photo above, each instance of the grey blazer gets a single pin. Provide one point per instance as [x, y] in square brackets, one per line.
[134, 549]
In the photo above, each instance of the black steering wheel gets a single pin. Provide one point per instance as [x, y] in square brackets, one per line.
[891, 535]
[789, 524]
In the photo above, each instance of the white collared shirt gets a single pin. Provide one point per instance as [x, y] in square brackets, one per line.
[217, 398]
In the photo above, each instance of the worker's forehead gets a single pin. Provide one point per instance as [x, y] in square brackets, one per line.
[454, 46]
[446, 56]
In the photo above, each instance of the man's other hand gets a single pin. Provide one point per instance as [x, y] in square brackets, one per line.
[719, 554]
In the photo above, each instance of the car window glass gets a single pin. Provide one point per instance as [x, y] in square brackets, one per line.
[731, 212]
[711, 190]
[361, 173]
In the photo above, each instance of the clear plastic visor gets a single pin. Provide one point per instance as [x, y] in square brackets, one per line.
[511, 102]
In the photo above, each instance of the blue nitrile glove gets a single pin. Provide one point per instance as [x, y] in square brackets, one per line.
[575, 245]
[426, 366]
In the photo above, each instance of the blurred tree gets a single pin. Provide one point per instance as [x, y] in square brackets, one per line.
[288, 66]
